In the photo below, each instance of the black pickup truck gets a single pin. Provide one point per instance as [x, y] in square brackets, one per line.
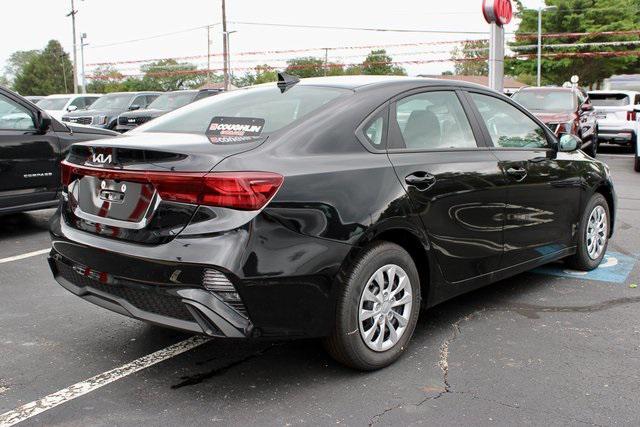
[32, 144]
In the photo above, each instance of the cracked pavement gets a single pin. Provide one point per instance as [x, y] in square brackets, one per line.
[530, 350]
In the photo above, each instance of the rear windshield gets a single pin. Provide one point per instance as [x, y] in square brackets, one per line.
[542, 100]
[261, 102]
[609, 99]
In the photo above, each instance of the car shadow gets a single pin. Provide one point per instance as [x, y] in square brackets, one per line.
[25, 224]
[281, 363]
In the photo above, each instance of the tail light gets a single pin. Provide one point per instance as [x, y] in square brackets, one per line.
[235, 190]
[631, 116]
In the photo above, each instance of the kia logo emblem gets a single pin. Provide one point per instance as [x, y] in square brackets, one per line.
[101, 158]
[498, 11]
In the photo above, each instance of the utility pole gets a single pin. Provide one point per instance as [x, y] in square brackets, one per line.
[75, 54]
[326, 60]
[540, 10]
[83, 36]
[225, 51]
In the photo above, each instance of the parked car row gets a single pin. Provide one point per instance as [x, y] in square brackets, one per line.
[120, 111]
[609, 116]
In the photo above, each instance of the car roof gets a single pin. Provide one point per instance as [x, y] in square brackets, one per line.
[71, 95]
[549, 89]
[626, 92]
[356, 82]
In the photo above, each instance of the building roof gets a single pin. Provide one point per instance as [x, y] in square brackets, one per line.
[509, 82]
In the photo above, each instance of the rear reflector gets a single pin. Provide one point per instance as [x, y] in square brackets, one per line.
[235, 190]
[631, 116]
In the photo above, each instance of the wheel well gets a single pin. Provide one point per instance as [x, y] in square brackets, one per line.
[412, 244]
[606, 192]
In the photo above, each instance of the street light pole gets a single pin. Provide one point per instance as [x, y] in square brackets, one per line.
[539, 78]
[75, 50]
[83, 36]
[540, 10]
[225, 53]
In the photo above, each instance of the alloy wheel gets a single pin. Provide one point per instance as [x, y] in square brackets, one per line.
[597, 227]
[385, 308]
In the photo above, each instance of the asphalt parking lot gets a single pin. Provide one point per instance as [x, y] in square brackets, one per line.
[550, 347]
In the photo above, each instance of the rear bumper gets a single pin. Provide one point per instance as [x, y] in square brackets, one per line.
[284, 279]
[617, 132]
[185, 308]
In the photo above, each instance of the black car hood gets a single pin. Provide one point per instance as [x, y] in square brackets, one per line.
[150, 112]
[89, 130]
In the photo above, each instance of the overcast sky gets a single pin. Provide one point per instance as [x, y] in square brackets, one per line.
[29, 24]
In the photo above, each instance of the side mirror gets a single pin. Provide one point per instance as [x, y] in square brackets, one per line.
[587, 107]
[43, 122]
[71, 108]
[568, 143]
[134, 107]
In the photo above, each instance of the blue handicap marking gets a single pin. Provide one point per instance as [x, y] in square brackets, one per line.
[615, 267]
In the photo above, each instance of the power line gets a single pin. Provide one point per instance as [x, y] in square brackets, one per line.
[331, 27]
[155, 36]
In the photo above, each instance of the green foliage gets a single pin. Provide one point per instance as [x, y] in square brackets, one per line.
[43, 73]
[313, 67]
[16, 63]
[261, 74]
[578, 16]
[471, 55]
[379, 63]
[447, 73]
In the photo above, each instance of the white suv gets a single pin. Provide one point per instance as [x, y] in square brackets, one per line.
[57, 105]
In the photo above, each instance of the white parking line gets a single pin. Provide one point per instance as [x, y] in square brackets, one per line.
[23, 256]
[36, 407]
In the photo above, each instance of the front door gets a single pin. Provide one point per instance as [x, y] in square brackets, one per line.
[28, 160]
[455, 186]
[544, 186]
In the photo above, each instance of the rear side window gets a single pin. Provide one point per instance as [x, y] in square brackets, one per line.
[508, 126]
[609, 99]
[277, 109]
[434, 120]
[374, 132]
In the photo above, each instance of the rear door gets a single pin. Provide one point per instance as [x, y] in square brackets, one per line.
[28, 160]
[453, 182]
[544, 186]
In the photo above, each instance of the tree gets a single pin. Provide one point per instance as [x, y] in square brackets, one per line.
[169, 74]
[17, 61]
[379, 63]
[47, 72]
[105, 79]
[471, 58]
[447, 73]
[577, 16]
[305, 67]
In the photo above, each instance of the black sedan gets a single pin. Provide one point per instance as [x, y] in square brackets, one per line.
[162, 105]
[330, 207]
[32, 144]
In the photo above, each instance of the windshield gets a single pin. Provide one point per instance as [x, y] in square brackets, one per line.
[112, 102]
[552, 101]
[609, 99]
[53, 103]
[261, 102]
[171, 101]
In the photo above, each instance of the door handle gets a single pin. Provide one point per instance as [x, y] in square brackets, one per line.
[420, 179]
[518, 173]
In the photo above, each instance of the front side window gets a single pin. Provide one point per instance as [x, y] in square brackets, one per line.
[140, 101]
[78, 103]
[434, 120]
[507, 125]
[14, 116]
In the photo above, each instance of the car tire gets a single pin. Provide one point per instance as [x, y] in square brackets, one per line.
[636, 163]
[353, 339]
[593, 235]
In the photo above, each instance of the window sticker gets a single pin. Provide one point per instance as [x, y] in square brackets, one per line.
[234, 130]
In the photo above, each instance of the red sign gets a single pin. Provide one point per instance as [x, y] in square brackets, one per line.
[498, 11]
